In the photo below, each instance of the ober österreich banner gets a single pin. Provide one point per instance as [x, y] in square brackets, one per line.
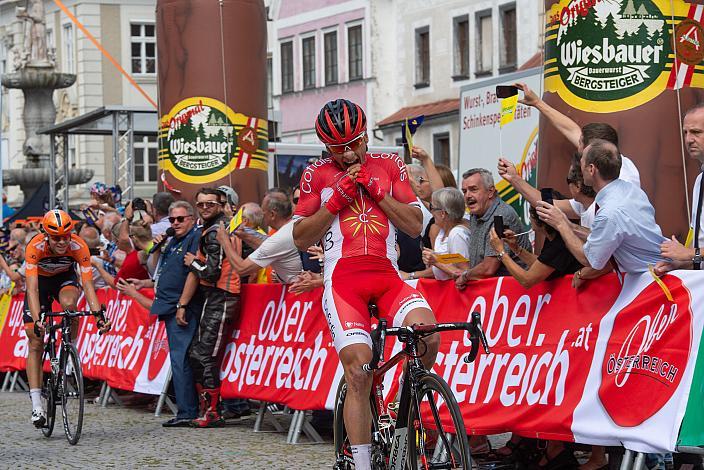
[605, 364]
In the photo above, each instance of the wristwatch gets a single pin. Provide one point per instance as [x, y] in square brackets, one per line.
[501, 255]
[180, 306]
[411, 276]
[697, 260]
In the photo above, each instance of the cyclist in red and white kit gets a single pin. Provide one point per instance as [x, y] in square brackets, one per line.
[354, 202]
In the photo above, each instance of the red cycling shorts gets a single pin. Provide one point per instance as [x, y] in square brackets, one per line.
[356, 282]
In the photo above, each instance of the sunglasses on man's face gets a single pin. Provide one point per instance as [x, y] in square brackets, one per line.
[59, 238]
[207, 204]
[351, 146]
[179, 219]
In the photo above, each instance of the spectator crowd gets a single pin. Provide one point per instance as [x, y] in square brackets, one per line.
[197, 261]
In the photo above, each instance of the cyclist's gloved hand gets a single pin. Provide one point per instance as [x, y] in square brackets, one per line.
[343, 194]
[370, 184]
[100, 320]
[39, 327]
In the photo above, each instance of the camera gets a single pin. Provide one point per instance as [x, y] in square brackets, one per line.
[138, 204]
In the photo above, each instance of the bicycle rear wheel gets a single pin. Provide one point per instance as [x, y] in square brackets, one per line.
[49, 402]
[431, 443]
[343, 452]
[71, 390]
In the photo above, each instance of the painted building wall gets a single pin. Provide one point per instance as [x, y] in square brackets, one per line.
[297, 20]
[395, 55]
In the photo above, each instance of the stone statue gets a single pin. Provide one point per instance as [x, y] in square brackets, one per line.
[34, 49]
[36, 76]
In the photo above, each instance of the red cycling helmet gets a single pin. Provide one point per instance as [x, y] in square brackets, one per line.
[57, 223]
[339, 122]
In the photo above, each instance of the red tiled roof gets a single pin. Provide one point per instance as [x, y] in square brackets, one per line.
[428, 109]
[534, 61]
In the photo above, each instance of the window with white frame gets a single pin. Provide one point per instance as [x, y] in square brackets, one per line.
[143, 48]
[69, 49]
[422, 57]
[308, 50]
[330, 55]
[508, 50]
[286, 67]
[485, 45]
[355, 52]
[145, 162]
[461, 47]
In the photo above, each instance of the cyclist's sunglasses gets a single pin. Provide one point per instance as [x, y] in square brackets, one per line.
[179, 218]
[59, 238]
[351, 146]
[208, 204]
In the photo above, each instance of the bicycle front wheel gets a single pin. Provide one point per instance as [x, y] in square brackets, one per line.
[436, 432]
[71, 390]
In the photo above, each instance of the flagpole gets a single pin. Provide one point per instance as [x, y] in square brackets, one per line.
[501, 146]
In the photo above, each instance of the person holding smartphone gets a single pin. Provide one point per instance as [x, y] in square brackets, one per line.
[484, 204]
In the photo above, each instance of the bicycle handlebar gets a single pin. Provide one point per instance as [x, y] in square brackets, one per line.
[408, 333]
[100, 317]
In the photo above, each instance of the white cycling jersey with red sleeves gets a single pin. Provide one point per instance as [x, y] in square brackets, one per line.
[361, 228]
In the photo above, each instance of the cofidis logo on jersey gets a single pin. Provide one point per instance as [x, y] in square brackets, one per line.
[607, 55]
[647, 353]
[203, 140]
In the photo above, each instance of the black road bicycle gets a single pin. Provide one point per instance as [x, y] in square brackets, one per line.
[64, 382]
[428, 431]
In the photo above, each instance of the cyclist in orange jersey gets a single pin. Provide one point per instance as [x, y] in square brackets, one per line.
[51, 259]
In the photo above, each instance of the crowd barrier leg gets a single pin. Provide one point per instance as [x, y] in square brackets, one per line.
[164, 397]
[6, 382]
[99, 400]
[299, 424]
[17, 380]
[633, 460]
[110, 395]
[261, 415]
[440, 453]
[639, 463]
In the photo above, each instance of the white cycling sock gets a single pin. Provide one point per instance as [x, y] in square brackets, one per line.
[362, 455]
[36, 395]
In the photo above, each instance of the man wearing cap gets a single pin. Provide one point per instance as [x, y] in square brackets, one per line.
[230, 200]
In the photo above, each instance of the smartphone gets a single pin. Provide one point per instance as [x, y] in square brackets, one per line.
[506, 91]
[499, 225]
[546, 195]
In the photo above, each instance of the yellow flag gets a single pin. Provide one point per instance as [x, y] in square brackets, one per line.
[690, 238]
[508, 109]
[236, 221]
[409, 138]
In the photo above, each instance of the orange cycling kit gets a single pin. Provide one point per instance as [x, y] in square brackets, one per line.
[55, 272]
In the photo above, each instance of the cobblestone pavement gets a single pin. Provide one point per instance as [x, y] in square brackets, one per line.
[127, 437]
[131, 437]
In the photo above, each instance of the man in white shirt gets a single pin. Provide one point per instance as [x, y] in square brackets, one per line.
[624, 231]
[278, 250]
[580, 137]
[683, 257]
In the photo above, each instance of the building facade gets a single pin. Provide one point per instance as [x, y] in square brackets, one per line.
[126, 30]
[432, 50]
[397, 59]
[320, 51]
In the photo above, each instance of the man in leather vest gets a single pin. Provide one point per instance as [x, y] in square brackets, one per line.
[220, 286]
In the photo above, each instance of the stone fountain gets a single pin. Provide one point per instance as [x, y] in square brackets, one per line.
[35, 74]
